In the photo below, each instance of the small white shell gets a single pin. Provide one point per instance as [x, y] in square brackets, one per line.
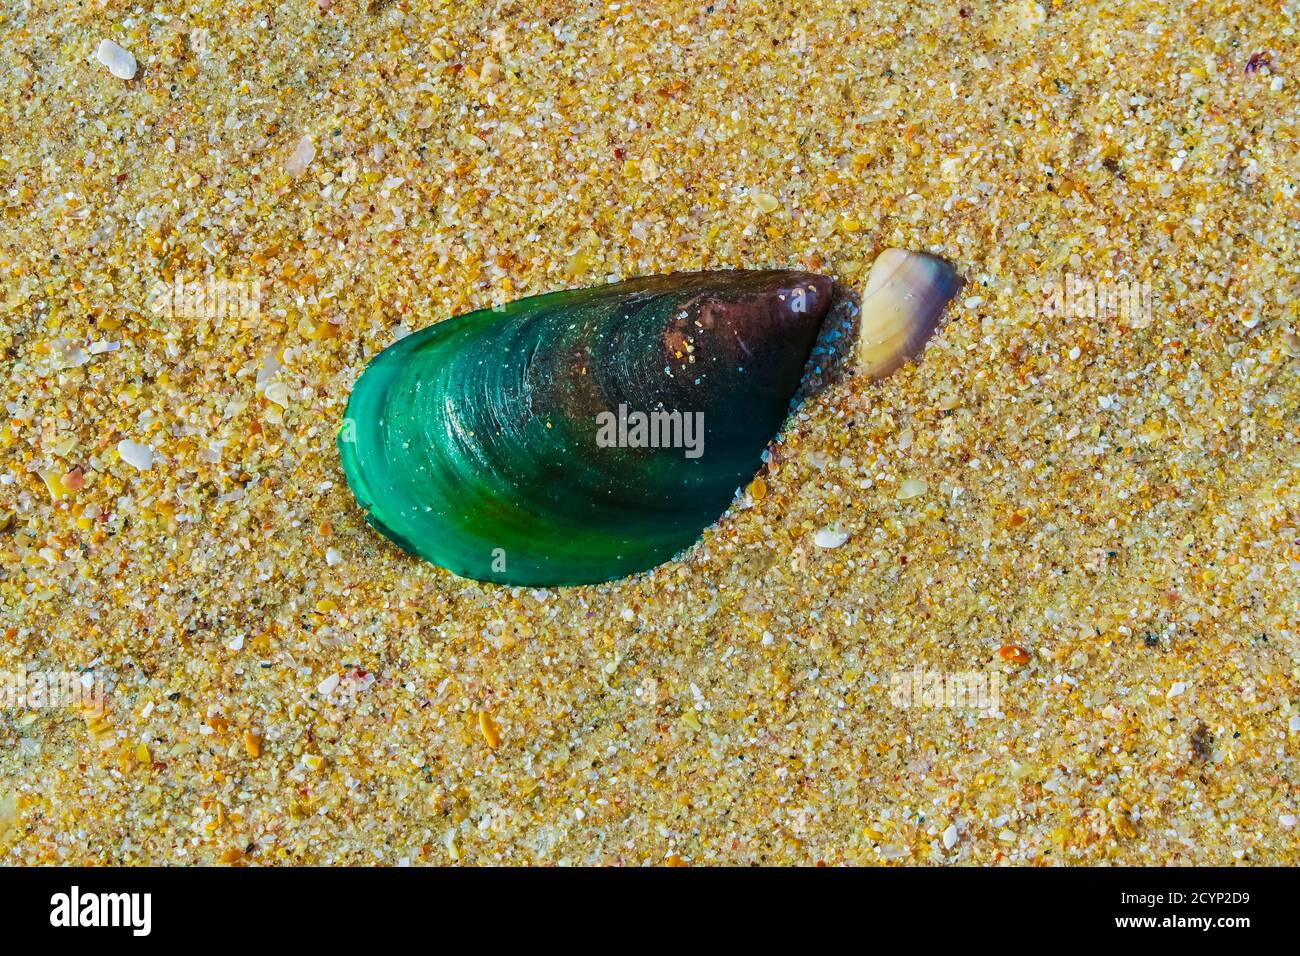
[830, 538]
[301, 157]
[136, 455]
[119, 62]
[905, 294]
[911, 488]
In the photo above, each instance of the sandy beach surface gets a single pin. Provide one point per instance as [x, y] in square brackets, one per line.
[1082, 503]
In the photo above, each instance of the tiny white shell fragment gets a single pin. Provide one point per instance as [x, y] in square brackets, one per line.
[119, 62]
[278, 392]
[1176, 690]
[332, 557]
[911, 488]
[328, 685]
[830, 538]
[135, 454]
[301, 157]
[950, 837]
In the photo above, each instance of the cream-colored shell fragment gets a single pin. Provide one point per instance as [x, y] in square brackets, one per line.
[904, 296]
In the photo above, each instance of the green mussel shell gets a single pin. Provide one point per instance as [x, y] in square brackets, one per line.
[579, 436]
